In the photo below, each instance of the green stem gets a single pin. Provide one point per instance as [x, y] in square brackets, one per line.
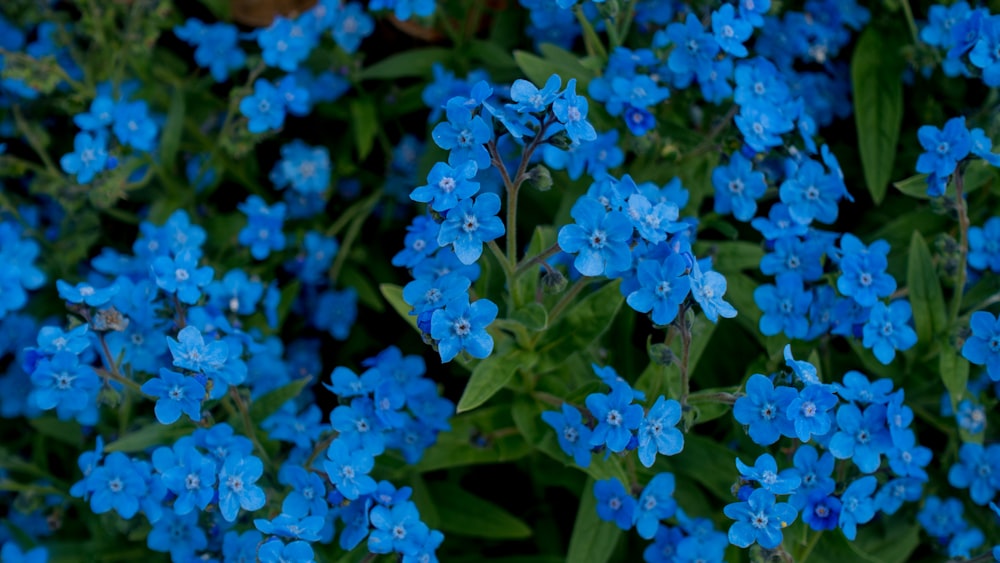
[33, 141]
[508, 272]
[544, 255]
[911, 22]
[810, 546]
[963, 246]
[709, 141]
[352, 233]
[248, 426]
[685, 331]
[574, 290]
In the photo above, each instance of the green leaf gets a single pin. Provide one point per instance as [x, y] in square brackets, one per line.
[149, 435]
[394, 295]
[878, 106]
[269, 403]
[364, 122]
[465, 514]
[533, 316]
[976, 175]
[593, 540]
[170, 140]
[929, 314]
[731, 257]
[581, 325]
[954, 372]
[470, 441]
[65, 431]
[914, 186]
[538, 70]
[490, 376]
[412, 62]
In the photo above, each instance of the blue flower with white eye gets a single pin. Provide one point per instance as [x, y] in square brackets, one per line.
[462, 326]
[599, 238]
[888, 330]
[765, 471]
[663, 286]
[465, 135]
[447, 186]
[572, 433]
[571, 111]
[470, 224]
[529, 98]
[658, 433]
[760, 519]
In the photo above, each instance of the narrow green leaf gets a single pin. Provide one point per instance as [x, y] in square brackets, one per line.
[149, 435]
[413, 62]
[582, 324]
[929, 313]
[878, 106]
[465, 514]
[538, 70]
[490, 376]
[269, 403]
[394, 296]
[954, 372]
[914, 186]
[593, 540]
[364, 121]
[170, 140]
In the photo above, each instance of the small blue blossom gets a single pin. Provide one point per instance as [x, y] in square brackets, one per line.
[759, 520]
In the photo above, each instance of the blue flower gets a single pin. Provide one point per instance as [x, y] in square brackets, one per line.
[764, 409]
[462, 326]
[190, 352]
[857, 388]
[62, 383]
[465, 135]
[984, 54]
[133, 126]
[528, 98]
[656, 503]
[351, 23]
[11, 553]
[663, 286]
[265, 108]
[263, 233]
[856, 505]
[89, 156]
[983, 346]
[810, 412]
[237, 489]
[470, 224]
[762, 126]
[573, 435]
[177, 534]
[427, 294]
[348, 469]
[984, 246]
[708, 288]
[730, 31]
[821, 512]
[907, 458]
[614, 504]
[616, 417]
[397, 529]
[116, 484]
[862, 438]
[888, 330]
[759, 519]
[657, 432]
[944, 147]
[815, 475]
[738, 187]
[336, 312]
[694, 48]
[176, 394]
[187, 474]
[181, 275]
[286, 43]
[599, 238]
[571, 111]
[447, 186]
[274, 551]
[784, 305]
[810, 193]
[977, 469]
[765, 472]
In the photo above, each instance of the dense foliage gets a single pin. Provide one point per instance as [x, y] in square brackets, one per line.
[545, 280]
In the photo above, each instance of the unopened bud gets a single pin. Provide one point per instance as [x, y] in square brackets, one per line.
[540, 178]
[553, 282]
[661, 354]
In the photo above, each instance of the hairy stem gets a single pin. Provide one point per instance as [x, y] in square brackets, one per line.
[963, 245]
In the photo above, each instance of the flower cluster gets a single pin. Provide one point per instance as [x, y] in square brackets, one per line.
[857, 422]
